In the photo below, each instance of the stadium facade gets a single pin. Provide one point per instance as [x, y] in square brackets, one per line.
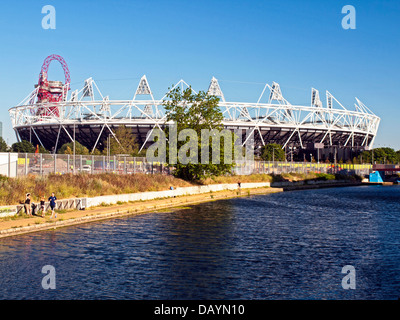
[51, 116]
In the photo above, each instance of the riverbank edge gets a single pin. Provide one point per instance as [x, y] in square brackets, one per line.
[99, 213]
[320, 185]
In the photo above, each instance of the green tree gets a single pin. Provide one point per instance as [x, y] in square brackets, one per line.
[43, 150]
[365, 157]
[23, 147]
[389, 156]
[3, 146]
[188, 110]
[96, 152]
[68, 148]
[273, 152]
[124, 142]
[380, 155]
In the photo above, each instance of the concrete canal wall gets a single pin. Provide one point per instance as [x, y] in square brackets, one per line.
[82, 203]
[112, 199]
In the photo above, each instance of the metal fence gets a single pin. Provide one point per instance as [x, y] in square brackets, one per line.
[276, 167]
[43, 164]
[21, 164]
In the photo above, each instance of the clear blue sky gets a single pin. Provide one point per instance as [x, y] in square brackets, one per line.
[300, 44]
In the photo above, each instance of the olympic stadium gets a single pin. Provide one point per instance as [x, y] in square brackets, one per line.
[52, 115]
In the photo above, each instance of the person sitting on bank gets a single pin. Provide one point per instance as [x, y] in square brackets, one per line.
[42, 206]
[27, 204]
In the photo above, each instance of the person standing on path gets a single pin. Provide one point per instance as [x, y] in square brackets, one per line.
[27, 204]
[52, 200]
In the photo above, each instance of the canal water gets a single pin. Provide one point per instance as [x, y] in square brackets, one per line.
[290, 245]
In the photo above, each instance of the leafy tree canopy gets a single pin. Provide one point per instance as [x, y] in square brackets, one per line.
[23, 147]
[380, 155]
[68, 148]
[272, 152]
[188, 110]
[123, 142]
[3, 146]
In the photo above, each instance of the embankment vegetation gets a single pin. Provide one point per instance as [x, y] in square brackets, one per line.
[13, 190]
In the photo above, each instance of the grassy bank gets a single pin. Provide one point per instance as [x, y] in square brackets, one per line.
[13, 190]
[314, 176]
[281, 177]
[235, 179]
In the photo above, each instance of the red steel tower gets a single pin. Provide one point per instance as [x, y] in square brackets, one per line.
[52, 91]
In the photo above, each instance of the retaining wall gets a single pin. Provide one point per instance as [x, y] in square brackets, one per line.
[82, 203]
[112, 199]
[312, 184]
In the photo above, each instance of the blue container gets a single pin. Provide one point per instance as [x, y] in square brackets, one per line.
[375, 177]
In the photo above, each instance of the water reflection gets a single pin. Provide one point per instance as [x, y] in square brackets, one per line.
[197, 244]
[279, 246]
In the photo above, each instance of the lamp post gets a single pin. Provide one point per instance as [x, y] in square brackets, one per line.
[74, 150]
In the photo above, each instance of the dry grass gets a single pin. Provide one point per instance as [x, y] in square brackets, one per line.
[235, 179]
[13, 190]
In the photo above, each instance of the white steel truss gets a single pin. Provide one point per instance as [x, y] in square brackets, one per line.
[291, 123]
[215, 90]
